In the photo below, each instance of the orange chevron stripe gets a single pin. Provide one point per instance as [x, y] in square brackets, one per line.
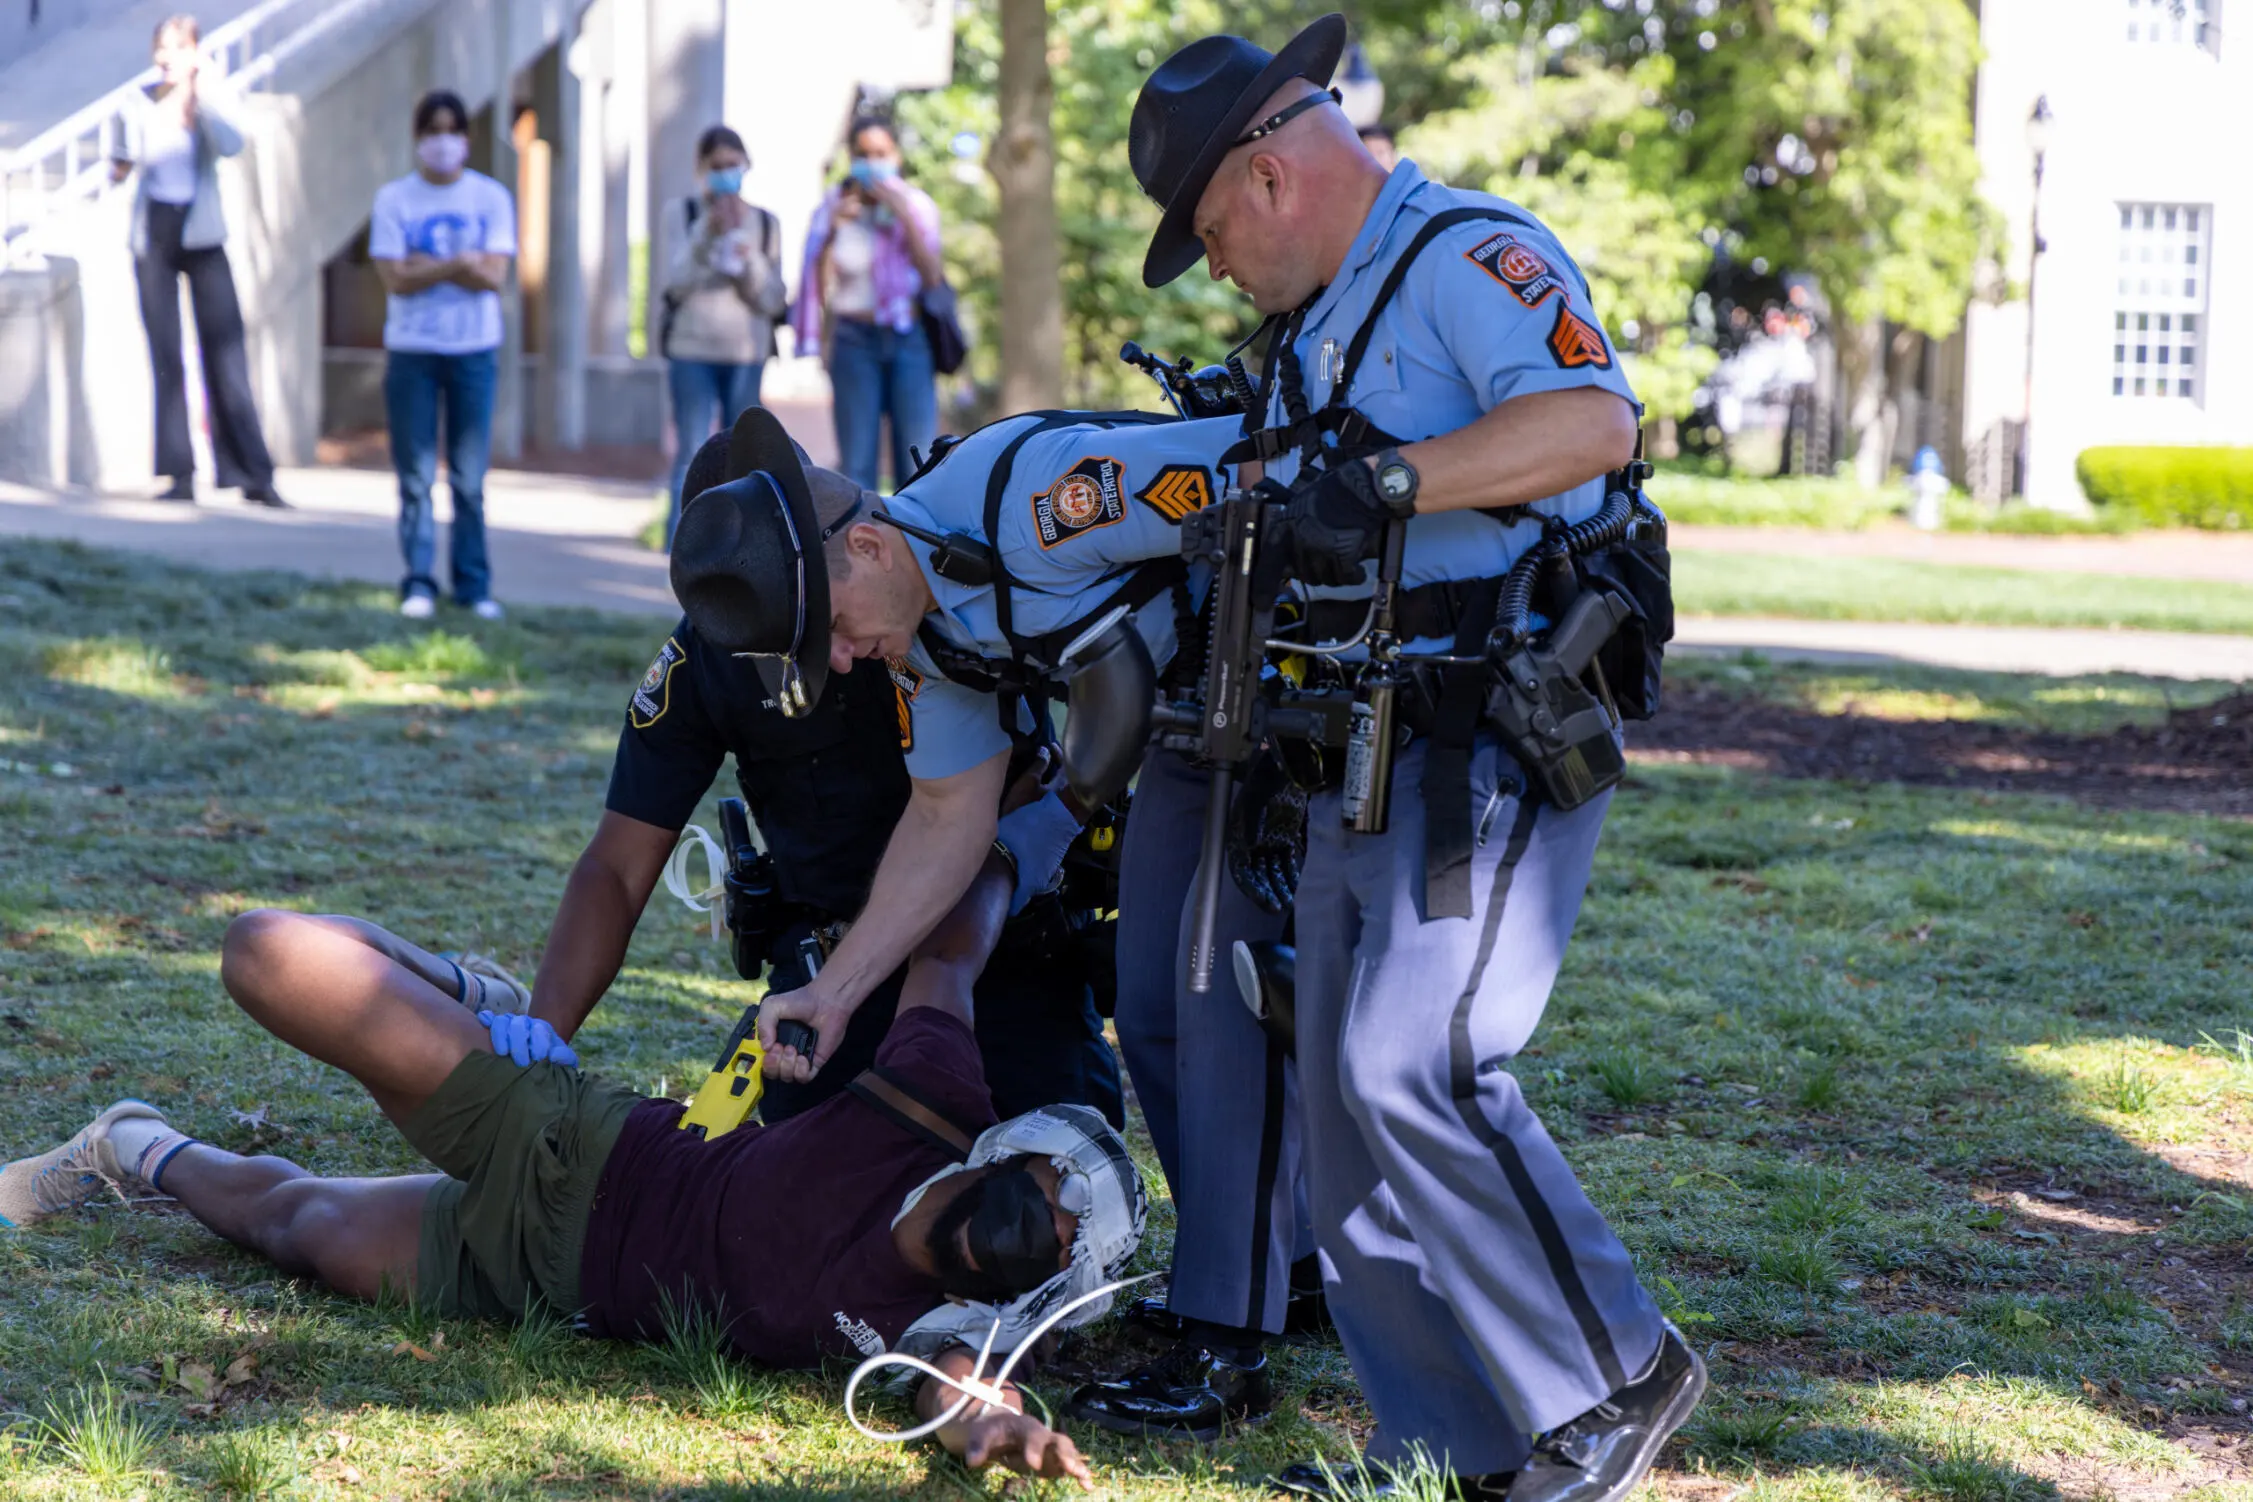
[1575, 342]
[1177, 491]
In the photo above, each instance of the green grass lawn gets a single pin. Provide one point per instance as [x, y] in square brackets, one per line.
[1844, 505]
[1925, 1113]
[1888, 589]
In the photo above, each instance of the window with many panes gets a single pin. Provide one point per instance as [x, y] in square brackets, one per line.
[2159, 308]
[2174, 23]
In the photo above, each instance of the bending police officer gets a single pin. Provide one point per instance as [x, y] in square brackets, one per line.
[825, 788]
[1060, 518]
[1436, 360]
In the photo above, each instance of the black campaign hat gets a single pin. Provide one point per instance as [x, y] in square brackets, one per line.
[747, 564]
[1190, 114]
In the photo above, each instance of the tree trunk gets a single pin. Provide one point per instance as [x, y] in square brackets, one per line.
[1861, 361]
[1024, 169]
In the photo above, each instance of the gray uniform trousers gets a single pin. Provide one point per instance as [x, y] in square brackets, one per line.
[1479, 1294]
[1219, 1098]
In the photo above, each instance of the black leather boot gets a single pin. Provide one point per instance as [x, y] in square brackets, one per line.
[1190, 1392]
[1600, 1456]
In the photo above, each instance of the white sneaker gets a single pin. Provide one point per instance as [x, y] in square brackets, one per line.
[488, 610]
[418, 607]
[32, 1189]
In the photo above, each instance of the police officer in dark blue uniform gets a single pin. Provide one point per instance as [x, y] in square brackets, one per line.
[1435, 362]
[825, 788]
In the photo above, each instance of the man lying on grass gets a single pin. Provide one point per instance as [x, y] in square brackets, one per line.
[843, 1231]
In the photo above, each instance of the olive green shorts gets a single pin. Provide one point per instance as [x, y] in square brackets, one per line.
[522, 1150]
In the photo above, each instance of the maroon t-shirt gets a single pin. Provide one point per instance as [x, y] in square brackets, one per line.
[785, 1230]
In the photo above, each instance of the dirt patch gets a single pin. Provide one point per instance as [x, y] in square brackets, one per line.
[2195, 761]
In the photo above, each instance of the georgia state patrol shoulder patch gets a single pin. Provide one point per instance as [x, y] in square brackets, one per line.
[1577, 342]
[1083, 498]
[906, 684]
[654, 695]
[1524, 272]
[1178, 490]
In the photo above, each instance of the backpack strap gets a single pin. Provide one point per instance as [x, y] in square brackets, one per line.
[904, 1106]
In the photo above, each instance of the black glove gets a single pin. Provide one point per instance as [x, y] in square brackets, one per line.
[1267, 835]
[1334, 523]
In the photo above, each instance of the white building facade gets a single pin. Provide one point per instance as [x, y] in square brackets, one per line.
[2129, 318]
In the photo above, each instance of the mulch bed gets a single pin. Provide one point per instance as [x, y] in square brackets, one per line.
[2196, 761]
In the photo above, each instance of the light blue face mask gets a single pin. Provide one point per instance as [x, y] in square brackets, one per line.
[866, 172]
[724, 182]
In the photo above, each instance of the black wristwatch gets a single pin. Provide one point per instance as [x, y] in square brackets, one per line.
[1396, 484]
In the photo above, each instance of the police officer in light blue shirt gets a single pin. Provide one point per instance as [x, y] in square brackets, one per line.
[1083, 513]
[1436, 360]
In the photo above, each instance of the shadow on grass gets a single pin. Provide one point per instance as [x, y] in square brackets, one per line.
[1835, 1058]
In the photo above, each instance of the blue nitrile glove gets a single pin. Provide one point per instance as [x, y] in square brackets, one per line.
[527, 1040]
[1036, 837]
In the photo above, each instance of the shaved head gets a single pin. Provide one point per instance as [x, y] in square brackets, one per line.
[1281, 212]
[834, 495]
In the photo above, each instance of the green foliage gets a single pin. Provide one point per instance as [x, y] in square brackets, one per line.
[1831, 136]
[1964, 1468]
[249, 1465]
[122, 665]
[1810, 1269]
[1815, 1202]
[1820, 1090]
[96, 1432]
[2210, 488]
[1741, 1436]
[1827, 136]
[433, 654]
[2127, 1087]
[1099, 56]
[1627, 1079]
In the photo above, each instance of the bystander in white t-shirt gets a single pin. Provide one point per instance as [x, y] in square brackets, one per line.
[414, 216]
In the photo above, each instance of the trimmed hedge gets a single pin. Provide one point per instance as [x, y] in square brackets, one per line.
[2172, 487]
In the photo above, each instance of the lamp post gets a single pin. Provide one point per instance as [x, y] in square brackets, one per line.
[2039, 125]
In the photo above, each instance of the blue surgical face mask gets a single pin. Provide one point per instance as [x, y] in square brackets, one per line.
[866, 172]
[724, 182]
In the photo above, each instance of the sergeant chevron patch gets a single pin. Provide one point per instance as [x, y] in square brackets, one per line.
[1178, 490]
[1577, 342]
[1084, 497]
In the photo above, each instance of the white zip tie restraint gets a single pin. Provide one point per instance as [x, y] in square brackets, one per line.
[974, 1388]
[710, 899]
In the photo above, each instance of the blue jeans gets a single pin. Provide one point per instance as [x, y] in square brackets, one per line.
[416, 389]
[876, 373]
[702, 390]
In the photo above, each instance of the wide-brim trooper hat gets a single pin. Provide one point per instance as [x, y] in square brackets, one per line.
[1190, 114]
[1098, 1183]
[747, 565]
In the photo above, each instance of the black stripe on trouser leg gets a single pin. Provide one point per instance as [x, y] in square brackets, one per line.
[1463, 1085]
[1263, 1187]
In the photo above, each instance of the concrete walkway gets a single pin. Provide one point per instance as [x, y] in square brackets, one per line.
[553, 540]
[565, 540]
[2223, 556]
